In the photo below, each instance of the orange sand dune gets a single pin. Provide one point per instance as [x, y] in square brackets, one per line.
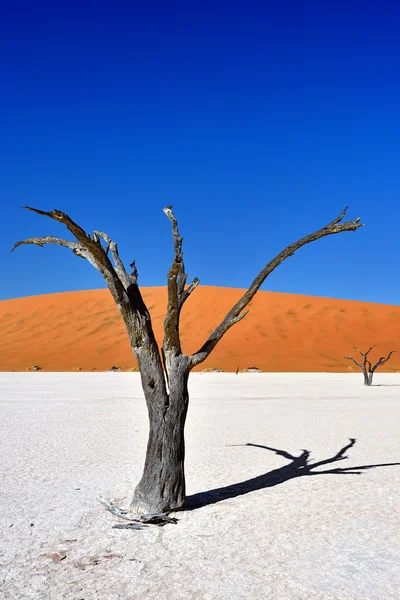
[282, 332]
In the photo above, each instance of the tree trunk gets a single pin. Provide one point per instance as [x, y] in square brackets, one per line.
[368, 378]
[162, 486]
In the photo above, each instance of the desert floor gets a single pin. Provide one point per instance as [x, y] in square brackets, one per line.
[265, 527]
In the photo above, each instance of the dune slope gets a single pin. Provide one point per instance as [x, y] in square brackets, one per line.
[282, 332]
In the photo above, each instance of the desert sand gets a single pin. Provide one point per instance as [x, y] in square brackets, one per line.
[264, 527]
[283, 332]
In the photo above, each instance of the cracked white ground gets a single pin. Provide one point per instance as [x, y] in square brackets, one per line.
[268, 528]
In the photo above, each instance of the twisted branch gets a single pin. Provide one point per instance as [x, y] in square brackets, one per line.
[383, 360]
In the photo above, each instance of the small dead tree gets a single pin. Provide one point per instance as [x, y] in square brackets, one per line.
[366, 366]
[164, 372]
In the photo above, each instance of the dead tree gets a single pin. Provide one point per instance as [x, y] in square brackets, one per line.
[366, 366]
[164, 372]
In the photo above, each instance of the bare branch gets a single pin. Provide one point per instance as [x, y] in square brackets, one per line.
[364, 354]
[366, 364]
[175, 232]
[175, 273]
[57, 215]
[92, 250]
[335, 226]
[119, 266]
[76, 248]
[354, 360]
[186, 293]
[134, 273]
[177, 294]
[382, 360]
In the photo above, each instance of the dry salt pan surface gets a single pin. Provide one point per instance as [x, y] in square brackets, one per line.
[267, 525]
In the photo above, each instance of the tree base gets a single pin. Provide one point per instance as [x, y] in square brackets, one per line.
[154, 504]
[138, 519]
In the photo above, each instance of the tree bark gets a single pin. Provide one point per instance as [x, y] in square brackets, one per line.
[162, 486]
[368, 378]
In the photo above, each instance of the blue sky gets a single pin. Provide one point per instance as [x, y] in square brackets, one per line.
[258, 121]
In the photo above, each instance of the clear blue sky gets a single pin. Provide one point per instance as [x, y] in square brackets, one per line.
[259, 121]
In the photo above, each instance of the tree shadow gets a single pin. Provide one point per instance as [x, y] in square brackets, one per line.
[299, 466]
[385, 385]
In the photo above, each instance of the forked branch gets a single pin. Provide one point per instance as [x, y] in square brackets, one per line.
[365, 365]
[382, 360]
[236, 314]
[91, 249]
[364, 354]
[119, 266]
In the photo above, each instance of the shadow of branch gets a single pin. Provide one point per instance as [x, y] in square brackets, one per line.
[300, 466]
